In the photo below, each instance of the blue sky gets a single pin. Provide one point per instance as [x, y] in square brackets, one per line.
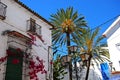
[96, 12]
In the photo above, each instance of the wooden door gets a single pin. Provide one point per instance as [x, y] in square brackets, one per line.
[14, 64]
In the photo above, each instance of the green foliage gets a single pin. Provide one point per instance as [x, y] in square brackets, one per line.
[66, 22]
[58, 70]
[91, 43]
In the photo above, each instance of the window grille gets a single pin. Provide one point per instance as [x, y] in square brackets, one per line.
[33, 27]
[2, 10]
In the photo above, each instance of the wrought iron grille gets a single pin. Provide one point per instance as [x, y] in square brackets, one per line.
[33, 27]
[2, 10]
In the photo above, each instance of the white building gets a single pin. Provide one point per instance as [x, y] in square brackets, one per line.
[79, 72]
[113, 39]
[113, 35]
[25, 40]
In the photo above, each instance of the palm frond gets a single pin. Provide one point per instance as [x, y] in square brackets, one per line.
[66, 17]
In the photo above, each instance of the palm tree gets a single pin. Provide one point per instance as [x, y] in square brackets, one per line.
[68, 24]
[90, 43]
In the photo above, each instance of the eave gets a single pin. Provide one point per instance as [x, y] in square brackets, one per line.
[33, 12]
[111, 27]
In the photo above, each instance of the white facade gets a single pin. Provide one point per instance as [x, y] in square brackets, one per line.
[113, 39]
[16, 20]
[94, 73]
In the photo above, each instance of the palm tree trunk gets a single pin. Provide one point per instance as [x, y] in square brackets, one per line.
[70, 65]
[68, 42]
[88, 67]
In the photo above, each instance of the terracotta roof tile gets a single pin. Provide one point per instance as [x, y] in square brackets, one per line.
[36, 14]
[116, 72]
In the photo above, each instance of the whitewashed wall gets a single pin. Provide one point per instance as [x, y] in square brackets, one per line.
[94, 73]
[114, 50]
[16, 19]
[113, 38]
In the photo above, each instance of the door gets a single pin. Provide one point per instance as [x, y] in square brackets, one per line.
[14, 64]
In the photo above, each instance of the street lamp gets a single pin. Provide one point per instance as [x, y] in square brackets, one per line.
[65, 60]
[73, 49]
[84, 57]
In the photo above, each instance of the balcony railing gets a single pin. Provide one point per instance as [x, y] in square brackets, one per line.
[33, 27]
[2, 10]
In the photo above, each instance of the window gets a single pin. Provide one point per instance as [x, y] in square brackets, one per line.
[2, 10]
[33, 27]
[118, 46]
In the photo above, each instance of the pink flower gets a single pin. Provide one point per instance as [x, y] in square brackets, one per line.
[15, 61]
[51, 62]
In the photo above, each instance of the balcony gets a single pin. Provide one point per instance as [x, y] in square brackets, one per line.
[33, 27]
[2, 10]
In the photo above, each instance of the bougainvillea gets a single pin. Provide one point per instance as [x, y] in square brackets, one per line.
[51, 62]
[35, 65]
[2, 59]
[15, 61]
[33, 37]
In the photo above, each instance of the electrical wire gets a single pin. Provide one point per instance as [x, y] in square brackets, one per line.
[90, 30]
[111, 19]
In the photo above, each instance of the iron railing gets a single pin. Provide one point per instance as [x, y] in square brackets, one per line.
[33, 27]
[2, 10]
